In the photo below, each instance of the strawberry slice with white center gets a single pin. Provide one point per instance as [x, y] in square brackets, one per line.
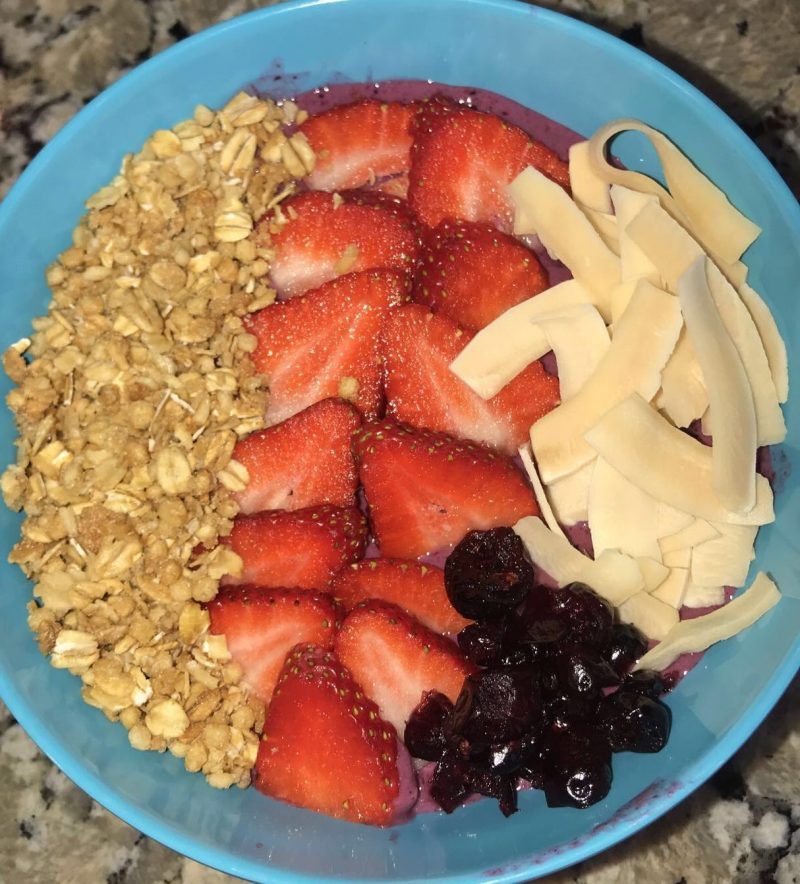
[357, 143]
[425, 490]
[262, 625]
[304, 461]
[304, 548]
[421, 390]
[326, 748]
[327, 235]
[471, 272]
[397, 660]
[415, 587]
[326, 343]
[463, 159]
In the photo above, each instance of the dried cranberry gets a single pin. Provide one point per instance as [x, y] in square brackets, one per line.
[512, 755]
[425, 729]
[625, 647]
[488, 574]
[482, 643]
[635, 723]
[576, 767]
[493, 785]
[494, 706]
[449, 787]
[589, 616]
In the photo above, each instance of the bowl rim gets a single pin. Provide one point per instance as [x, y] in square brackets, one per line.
[599, 839]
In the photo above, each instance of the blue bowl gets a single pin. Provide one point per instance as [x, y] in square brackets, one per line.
[580, 77]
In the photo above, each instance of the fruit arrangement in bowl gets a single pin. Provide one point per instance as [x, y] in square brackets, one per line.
[336, 448]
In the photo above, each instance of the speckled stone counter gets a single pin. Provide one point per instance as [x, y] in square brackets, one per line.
[744, 825]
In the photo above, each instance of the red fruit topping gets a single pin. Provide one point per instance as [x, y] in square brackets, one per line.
[326, 343]
[416, 588]
[472, 273]
[462, 160]
[262, 625]
[425, 490]
[325, 747]
[357, 143]
[421, 390]
[302, 549]
[397, 186]
[304, 461]
[328, 235]
[396, 659]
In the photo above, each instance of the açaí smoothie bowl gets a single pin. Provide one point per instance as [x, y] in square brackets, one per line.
[337, 448]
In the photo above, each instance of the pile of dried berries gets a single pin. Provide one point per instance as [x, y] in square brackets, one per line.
[130, 397]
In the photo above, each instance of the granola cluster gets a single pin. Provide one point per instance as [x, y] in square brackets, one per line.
[131, 394]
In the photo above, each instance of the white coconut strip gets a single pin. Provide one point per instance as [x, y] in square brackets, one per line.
[614, 576]
[692, 198]
[588, 188]
[771, 338]
[654, 617]
[703, 596]
[634, 264]
[733, 416]
[538, 490]
[621, 515]
[724, 560]
[499, 352]
[564, 230]
[673, 590]
[643, 340]
[579, 339]
[569, 496]
[654, 572]
[696, 532]
[668, 463]
[683, 396]
[690, 636]
[673, 250]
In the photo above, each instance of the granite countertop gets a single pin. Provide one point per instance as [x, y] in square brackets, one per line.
[744, 825]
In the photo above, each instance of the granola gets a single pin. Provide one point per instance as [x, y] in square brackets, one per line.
[131, 394]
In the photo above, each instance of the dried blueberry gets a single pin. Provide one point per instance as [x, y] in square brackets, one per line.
[633, 722]
[588, 616]
[482, 643]
[488, 574]
[425, 729]
[576, 767]
[645, 681]
[510, 756]
[494, 706]
[625, 646]
[581, 670]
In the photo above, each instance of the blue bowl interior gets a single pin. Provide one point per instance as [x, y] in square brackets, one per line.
[578, 76]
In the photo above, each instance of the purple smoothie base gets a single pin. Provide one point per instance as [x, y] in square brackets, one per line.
[559, 138]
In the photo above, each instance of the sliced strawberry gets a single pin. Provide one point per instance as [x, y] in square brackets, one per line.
[326, 748]
[462, 160]
[301, 549]
[304, 461]
[396, 659]
[326, 343]
[327, 235]
[357, 143]
[262, 625]
[421, 390]
[426, 490]
[416, 588]
[472, 273]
